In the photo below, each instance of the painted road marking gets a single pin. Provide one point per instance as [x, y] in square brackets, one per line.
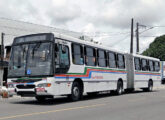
[52, 111]
[139, 99]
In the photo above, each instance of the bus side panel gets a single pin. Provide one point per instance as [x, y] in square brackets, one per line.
[59, 86]
[103, 80]
[141, 80]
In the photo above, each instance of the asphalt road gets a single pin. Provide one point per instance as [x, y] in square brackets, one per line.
[134, 106]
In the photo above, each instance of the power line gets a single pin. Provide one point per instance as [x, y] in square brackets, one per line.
[150, 36]
[121, 40]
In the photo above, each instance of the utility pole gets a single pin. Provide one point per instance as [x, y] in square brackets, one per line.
[2, 58]
[131, 44]
[2, 46]
[137, 38]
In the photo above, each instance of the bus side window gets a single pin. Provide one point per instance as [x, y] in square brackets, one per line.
[77, 54]
[112, 60]
[157, 66]
[144, 65]
[101, 58]
[151, 65]
[121, 63]
[137, 64]
[90, 56]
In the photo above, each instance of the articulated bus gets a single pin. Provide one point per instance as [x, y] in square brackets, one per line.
[49, 64]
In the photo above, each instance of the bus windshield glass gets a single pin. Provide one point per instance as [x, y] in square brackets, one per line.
[30, 60]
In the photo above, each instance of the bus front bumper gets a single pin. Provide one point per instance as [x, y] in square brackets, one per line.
[32, 92]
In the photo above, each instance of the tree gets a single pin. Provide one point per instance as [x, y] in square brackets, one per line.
[156, 48]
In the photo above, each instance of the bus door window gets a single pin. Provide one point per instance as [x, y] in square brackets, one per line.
[61, 58]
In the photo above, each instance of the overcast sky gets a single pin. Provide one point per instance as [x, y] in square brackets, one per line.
[108, 21]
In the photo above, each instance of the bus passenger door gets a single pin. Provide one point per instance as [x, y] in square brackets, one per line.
[62, 65]
[61, 59]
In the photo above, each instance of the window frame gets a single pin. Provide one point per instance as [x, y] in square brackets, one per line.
[146, 67]
[81, 55]
[105, 57]
[59, 58]
[118, 61]
[152, 65]
[115, 59]
[158, 66]
[94, 55]
[140, 64]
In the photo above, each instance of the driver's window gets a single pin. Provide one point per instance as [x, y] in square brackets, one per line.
[61, 58]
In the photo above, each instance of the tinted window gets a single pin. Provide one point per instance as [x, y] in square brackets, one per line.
[90, 56]
[61, 59]
[157, 66]
[112, 60]
[137, 64]
[77, 54]
[151, 65]
[121, 63]
[144, 65]
[102, 58]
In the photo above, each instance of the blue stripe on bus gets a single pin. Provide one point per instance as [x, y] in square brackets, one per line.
[91, 75]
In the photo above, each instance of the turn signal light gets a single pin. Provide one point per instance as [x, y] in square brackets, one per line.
[48, 84]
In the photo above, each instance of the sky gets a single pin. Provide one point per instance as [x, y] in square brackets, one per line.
[107, 21]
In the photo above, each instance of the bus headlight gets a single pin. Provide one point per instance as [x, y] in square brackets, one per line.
[44, 85]
[10, 86]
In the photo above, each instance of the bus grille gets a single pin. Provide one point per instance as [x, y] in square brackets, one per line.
[25, 86]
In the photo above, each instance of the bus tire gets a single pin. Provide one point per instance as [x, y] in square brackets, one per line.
[119, 89]
[76, 92]
[150, 86]
[40, 98]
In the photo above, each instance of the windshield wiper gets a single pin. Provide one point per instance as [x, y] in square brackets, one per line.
[35, 48]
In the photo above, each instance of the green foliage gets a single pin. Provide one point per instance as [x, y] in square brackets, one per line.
[156, 48]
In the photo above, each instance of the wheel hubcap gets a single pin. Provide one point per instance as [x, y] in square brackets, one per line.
[120, 90]
[76, 91]
[150, 88]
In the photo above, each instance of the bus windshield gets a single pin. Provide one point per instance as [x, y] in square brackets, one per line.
[30, 60]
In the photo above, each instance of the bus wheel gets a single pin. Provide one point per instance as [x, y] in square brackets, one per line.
[119, 89]
[40, 98]
[76, 92]
[150, 86]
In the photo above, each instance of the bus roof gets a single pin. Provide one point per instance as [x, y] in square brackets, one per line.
[72, 39]
[146, 57]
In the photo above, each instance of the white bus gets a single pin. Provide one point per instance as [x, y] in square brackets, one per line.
[143, 72]
[49, 64]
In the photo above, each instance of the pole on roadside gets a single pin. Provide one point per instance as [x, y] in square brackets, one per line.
[137, 38]
[2, 58]
[131, 44]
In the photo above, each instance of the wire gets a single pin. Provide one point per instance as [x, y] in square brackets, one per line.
[150, 36]
[102, 34]
[117, 42]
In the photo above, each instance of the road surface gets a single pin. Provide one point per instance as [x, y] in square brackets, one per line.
[134, 106]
